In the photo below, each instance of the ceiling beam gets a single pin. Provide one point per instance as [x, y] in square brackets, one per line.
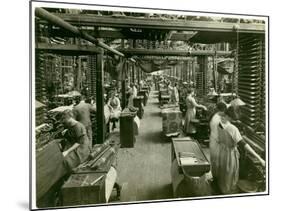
[168, 52]
[67, 49]
[159, 58]
[57, 21]
[174, 36]
[160, 24]
[98, 34]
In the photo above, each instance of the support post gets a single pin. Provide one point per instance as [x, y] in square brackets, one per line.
[123, 90]
[139, 76]
[133, 73]
[214, 72]
[100, 100]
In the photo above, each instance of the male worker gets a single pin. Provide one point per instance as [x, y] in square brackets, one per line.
[82, 113]
[77, 148]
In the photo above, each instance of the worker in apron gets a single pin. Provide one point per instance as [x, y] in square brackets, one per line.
[191, 106]
[214, 122]
[174, 99]
[229, 138]
[115, 109]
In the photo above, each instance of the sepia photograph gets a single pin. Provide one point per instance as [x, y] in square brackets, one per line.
[133, 105]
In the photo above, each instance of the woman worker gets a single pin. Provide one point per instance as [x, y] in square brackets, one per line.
[191, 106]
[115, 108]
[174, 99]
[214, 122]
[229, 138]
[77, 148]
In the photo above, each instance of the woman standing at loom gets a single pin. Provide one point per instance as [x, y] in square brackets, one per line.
[191, 106]
[174, 99]
[229, 139]
[214, 122]
[115, 108]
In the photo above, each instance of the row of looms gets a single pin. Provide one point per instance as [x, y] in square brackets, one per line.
[92, 53]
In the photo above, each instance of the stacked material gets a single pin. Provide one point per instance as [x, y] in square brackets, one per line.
[43, 135]
[263, 89]
[201, 76]
[100, 159]
[91, 85]
[91, 75]
[251, 79]
[40, 87]
[40, 66]
[40, 113]
[50, 130]
[171, 120]
[164, 96]
[60, 109]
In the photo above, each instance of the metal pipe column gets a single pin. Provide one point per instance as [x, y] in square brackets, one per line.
[44, 14]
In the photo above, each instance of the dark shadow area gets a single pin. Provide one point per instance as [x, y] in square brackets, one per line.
[155, 137]
[165, 192]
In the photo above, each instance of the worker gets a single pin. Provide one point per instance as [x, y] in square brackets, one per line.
[229, 139]
[182, 97]
[82, 113]
[130, 104]
[174, 94]
[170, 90]
[77, 148]
[191, 106]
[115, 108]
[141, 84]
[134, 90]
[214, 122]
[130, 100]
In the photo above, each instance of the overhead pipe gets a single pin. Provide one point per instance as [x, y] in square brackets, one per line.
[44, 14]
[132, 60]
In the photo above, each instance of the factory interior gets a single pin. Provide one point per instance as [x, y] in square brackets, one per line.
[124, 103]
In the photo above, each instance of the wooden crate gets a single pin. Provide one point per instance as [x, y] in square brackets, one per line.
[187, 145]
[171, 120]
[78, 189]
[49, 168]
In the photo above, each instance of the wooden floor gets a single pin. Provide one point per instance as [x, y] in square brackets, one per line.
[144, 171]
